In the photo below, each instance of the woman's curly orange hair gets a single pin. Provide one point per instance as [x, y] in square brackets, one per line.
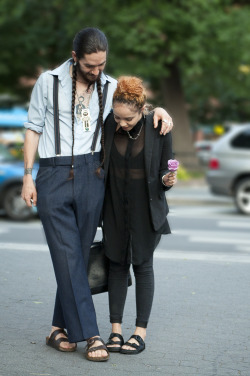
[130, 90]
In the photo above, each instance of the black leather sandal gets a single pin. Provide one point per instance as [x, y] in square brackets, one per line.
[89, 349]
[120, 342]
[136, 349]
[55, 343]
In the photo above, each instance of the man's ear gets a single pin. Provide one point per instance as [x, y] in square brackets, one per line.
[74, 56]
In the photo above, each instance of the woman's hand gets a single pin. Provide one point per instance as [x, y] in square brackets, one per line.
[167, 122]
[169, 179]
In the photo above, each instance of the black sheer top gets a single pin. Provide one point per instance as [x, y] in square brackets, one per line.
[129, 235]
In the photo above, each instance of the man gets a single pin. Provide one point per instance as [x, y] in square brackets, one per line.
[69, 188]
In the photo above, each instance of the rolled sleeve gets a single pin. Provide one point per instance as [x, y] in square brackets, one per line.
[38, 105]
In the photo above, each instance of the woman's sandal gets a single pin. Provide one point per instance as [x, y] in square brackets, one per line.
[55, 343]
[136, 348]
[90, 349]
[120, 342]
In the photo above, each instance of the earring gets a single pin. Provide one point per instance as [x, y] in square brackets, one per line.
[75, 63]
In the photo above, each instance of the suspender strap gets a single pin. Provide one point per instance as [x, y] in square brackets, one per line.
[98, 125]
[56, 117]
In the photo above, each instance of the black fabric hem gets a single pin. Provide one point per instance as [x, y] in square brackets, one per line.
[141, 324]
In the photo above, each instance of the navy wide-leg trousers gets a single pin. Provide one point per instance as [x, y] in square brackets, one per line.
[70, 211]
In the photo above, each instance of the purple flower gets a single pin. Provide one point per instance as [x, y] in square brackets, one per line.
[173, 164]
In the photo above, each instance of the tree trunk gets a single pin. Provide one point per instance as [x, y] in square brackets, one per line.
[175, 104]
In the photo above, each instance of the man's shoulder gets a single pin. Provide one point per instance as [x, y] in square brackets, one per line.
[61, 69]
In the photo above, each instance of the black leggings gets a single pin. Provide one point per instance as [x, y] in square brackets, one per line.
[118, 285]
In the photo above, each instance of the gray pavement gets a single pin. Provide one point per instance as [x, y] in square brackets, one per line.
[199, 323]
[200, 318]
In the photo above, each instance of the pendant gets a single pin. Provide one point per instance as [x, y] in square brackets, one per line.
[86, 119]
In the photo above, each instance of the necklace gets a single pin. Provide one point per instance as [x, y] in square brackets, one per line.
[82, 109]
[138, 134]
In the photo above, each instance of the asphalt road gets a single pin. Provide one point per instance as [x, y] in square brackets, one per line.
[200, 319]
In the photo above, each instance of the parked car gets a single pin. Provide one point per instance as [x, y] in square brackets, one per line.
[203, 150]
[229, 166]
[11, 174]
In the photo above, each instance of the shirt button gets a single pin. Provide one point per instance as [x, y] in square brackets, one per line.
[151, 199]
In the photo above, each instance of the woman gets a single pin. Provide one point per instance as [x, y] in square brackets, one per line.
[135, 208]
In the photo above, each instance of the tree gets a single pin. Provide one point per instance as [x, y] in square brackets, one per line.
[185, 50]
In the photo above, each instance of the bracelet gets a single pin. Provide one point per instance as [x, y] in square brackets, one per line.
[163, 181]
[28, 171]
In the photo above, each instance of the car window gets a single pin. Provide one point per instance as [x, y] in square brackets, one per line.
[242, 140]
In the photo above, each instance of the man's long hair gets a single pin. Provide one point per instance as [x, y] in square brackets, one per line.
[88, 41]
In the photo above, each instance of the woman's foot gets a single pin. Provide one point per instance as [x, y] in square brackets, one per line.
[58, 339]
[137, 341]
[99, 351]
[115, 343]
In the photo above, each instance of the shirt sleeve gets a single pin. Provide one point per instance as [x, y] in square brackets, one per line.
[38, 105]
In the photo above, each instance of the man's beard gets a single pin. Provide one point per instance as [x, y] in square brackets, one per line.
[88, 78]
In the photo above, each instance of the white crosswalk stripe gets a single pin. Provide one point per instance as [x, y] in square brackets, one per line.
[200, 256]
[243, 249]
[24, 247]
[234, 224]
[219, 240]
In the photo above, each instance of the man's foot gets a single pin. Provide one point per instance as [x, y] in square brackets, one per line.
[96, 350]
[58, 339]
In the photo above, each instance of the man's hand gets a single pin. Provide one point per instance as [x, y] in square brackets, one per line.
[167, 123]
[29, 194]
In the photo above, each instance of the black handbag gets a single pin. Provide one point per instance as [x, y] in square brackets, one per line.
[98, 269]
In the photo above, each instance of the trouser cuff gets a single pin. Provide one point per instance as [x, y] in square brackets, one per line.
[115, 320]
[141, 324]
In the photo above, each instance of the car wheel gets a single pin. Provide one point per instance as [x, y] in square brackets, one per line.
[242, 196]
[14, 205]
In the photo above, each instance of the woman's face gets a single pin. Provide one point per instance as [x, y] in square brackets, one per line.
[126, 116]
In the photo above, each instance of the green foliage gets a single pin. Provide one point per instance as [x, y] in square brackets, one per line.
[208, 40]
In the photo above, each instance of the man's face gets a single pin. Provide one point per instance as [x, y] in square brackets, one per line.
[90, 67]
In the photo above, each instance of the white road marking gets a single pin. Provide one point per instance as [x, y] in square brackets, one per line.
[4, 231]
[193, 256]
[234, 224]
[213, 234]
[230, 240]
[159, 253]
[244, 249]
[21, 225]
[202, 212]
[24, 247]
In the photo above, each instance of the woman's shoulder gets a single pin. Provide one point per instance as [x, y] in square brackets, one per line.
[150, 123]
[155, 132]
